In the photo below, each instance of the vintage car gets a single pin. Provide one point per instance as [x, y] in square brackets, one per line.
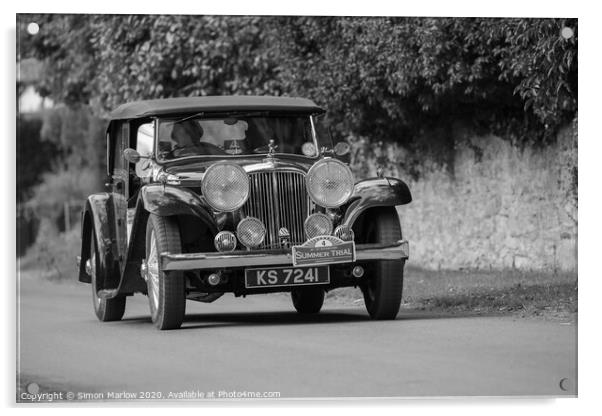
[239, 194]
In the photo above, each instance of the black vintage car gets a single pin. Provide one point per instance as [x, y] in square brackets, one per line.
[240, 194]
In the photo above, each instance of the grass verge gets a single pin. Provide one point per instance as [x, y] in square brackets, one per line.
[526, 294]
[54, 254]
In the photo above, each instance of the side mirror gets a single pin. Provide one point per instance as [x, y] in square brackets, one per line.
[342, 148]
[131, 155]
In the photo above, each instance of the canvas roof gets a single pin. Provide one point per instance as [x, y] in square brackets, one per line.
[166, 106]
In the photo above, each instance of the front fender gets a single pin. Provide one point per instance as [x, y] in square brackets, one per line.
[170, 200]
[96, 222]
[376, 192]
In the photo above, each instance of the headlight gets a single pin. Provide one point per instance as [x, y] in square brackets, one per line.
[329, 183]
[225, 186]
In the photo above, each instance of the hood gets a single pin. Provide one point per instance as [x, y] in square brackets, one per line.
[193, 169]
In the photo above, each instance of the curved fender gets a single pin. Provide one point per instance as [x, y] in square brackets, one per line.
[96, 217]
[376, 192]
[163, 201]
[131, 280]
[170, 200]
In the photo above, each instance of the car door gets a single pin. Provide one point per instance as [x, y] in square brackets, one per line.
[119, 189]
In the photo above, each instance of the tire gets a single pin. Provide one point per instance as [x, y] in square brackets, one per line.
[105, 309]
[383, 290]
[166, 292]
[308, 300]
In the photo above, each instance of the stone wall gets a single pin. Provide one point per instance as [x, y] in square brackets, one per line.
[498, 207]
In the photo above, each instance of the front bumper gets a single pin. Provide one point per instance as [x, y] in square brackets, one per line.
[240, 259]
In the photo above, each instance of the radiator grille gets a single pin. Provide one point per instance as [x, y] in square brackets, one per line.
[279, 199]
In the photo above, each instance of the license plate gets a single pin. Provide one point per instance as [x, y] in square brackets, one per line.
[287, 276]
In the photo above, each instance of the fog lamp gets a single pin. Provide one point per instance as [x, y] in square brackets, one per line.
[317, 224]
[344, 232]
[250, 232]
[225, 241]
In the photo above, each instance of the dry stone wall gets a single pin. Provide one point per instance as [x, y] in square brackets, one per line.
[499, 207]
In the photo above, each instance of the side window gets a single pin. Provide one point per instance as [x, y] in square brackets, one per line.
[120, 143]
[144, 146]
[144, 139]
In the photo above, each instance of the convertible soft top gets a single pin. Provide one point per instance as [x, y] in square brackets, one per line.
[223, 103]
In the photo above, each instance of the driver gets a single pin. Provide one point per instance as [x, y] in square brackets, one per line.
[209, 137]
[186, 137]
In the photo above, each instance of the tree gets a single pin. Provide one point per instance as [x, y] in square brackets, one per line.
[31, 151]
[384, 77]
[389, 77]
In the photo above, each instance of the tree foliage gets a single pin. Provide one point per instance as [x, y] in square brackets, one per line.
[34, 156]
[385, 78]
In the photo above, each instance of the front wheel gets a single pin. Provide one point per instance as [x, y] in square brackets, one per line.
[308, 300]
[382, 291]
[166, 291]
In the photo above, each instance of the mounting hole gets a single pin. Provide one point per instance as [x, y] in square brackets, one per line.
[33, 28]
[565, 384]
[33, 388]
[567, 32]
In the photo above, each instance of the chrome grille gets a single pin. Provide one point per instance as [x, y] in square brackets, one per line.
[279, 199]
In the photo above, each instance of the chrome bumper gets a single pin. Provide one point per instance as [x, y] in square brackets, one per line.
[199, 261]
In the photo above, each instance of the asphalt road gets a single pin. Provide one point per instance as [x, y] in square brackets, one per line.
[259, 344]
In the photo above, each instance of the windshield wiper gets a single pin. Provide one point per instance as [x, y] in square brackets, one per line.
[202, 113]
[235, 114]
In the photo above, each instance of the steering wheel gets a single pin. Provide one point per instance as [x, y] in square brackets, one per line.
[201, 148]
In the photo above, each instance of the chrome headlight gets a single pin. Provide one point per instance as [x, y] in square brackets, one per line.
[225, 186]
[329, 183]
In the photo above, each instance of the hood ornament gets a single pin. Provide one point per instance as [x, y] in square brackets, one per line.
[272, 148]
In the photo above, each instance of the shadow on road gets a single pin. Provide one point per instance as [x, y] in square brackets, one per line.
[217, 320]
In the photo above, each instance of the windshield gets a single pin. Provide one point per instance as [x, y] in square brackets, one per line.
[243, 134]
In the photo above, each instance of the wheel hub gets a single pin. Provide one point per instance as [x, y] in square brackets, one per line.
[91, 270]
[152, 272]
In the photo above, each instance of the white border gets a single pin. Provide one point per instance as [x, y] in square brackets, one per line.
[589, 189]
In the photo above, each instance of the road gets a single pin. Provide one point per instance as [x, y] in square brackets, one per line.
[258, 344]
